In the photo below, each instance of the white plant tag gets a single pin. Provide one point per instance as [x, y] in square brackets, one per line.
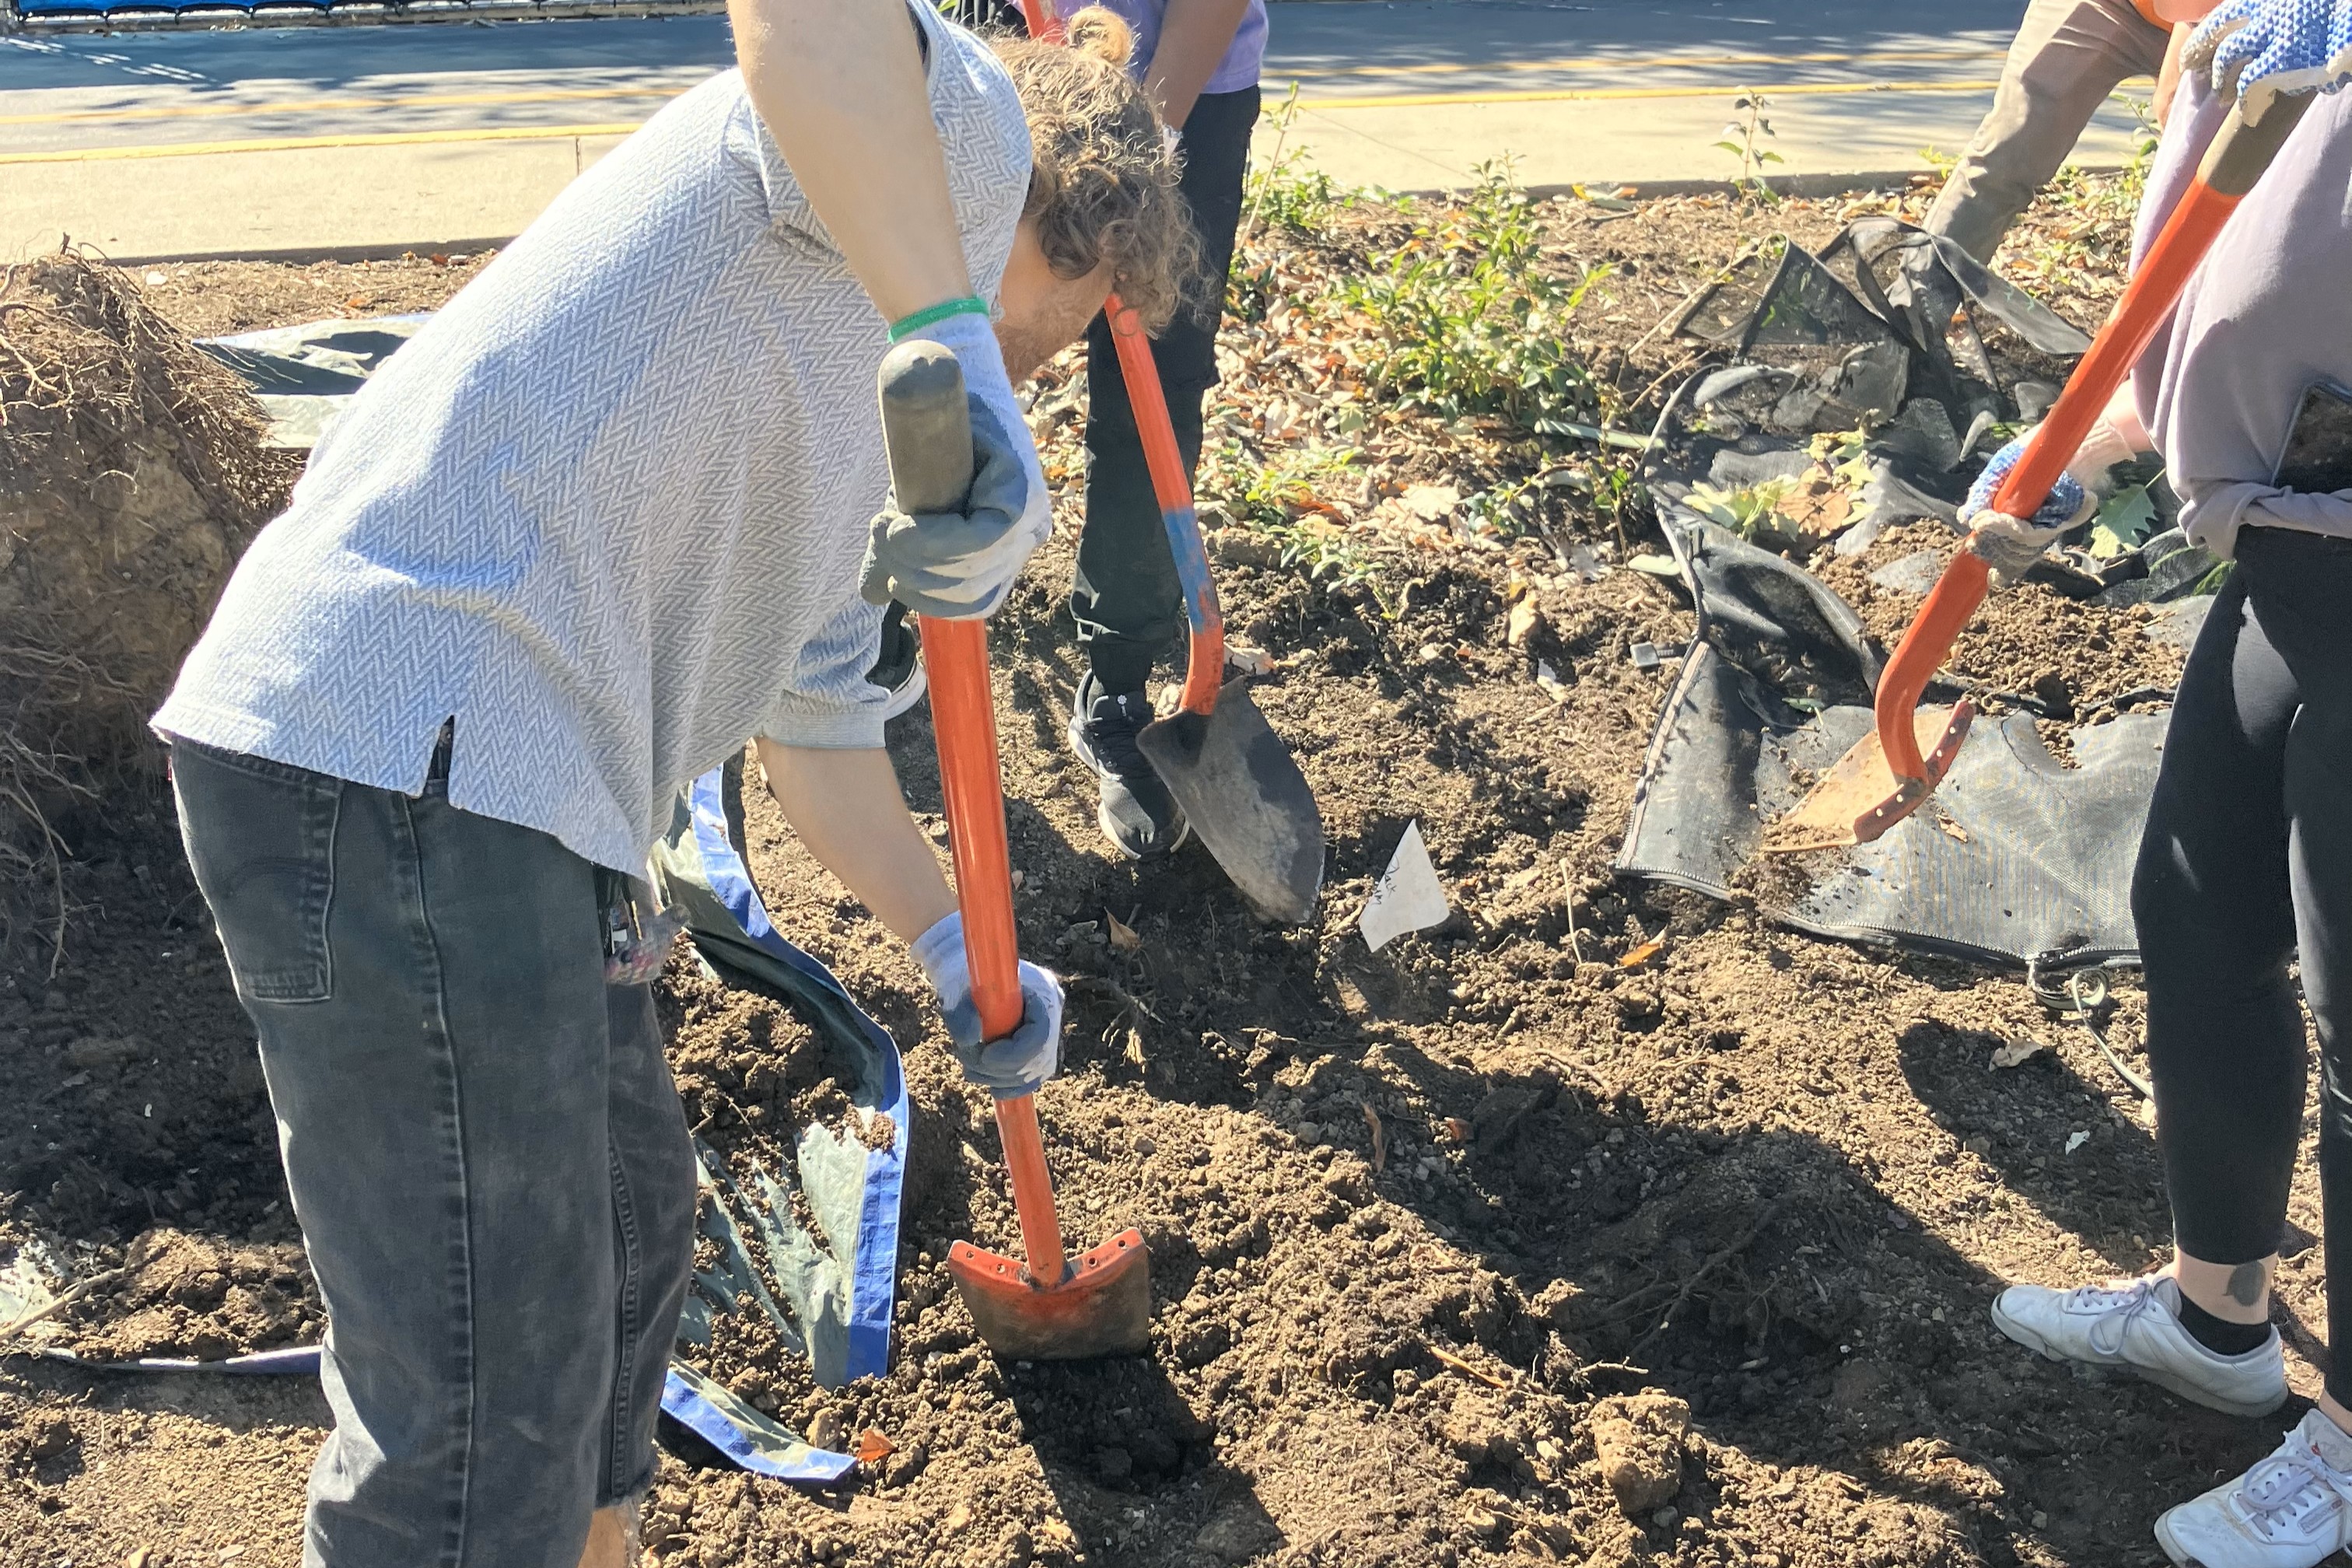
[1408, 896]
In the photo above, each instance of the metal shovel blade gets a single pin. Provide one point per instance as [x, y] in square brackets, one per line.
[1103, 1306]
[1246, 797]
[1860, 797]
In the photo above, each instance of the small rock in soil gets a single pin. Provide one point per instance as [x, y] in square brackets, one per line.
[1238, 1532]
[1637, 1440]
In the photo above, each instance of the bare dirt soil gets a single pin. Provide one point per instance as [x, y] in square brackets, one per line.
[1598, 1223]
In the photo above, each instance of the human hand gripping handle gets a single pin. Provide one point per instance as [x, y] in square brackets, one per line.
[953, 554]
[2255, 50]
[2010, 545]
[1016, 1061]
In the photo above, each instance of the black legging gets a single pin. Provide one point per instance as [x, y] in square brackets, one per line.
[2246, 866]
[1124, 593]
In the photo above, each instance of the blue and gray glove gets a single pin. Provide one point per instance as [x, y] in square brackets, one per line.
[959, 565]
[2256, 49]
[1022, 1061]
[2010, 545]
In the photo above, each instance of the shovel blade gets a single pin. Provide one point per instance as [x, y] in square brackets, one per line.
[1244, 794]
[1860, 797]
[1101, 1308]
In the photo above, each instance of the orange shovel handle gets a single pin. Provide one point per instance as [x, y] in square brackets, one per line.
[964, 718]
[2239, 153]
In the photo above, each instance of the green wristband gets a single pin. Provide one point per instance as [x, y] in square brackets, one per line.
[906, 327]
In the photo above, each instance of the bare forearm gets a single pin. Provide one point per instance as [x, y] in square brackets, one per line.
[839, 84]
[846, 807]
[1193, 36]
[2167, 77]
[2122, 415]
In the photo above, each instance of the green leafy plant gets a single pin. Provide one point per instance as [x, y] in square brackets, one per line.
[1464, 318]
[1275, 496]
[1751, 511]
[2126, 520]
[1744, 139]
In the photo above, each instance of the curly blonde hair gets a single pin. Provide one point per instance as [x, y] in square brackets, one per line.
[1102, 179]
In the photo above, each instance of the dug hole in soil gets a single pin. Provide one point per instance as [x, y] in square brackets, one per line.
[1599, 1225]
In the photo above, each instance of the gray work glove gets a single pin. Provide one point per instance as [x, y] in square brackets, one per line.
[959, 565]
[1022, 1061]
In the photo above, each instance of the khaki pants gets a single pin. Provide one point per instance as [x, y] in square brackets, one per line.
[2068, 55]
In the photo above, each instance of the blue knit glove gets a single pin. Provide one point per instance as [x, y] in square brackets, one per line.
[1022, 1061]
[2256, 49]
[2011, 544]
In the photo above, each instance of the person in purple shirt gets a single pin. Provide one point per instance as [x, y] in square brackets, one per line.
[1199, 60]
[2242, 894]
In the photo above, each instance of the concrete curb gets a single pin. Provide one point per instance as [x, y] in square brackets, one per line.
[1802, 186]
[303, 255]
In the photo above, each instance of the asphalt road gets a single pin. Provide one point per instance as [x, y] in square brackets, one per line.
[1410, 94]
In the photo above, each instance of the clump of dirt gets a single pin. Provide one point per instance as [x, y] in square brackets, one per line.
[201, 1297]
[2071, 659]
[131, 477]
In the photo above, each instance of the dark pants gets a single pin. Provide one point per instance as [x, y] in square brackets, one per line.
[485, 1152]
[1123, 594]
[2246, 866]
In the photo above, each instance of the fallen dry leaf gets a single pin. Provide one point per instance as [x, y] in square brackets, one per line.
[1380, 1136]
[1432, 503]
[872, 1446]
[1122, 935]
[2016, 1053]
[1644, 953]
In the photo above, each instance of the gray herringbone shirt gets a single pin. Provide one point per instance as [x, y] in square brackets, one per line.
[606, 510]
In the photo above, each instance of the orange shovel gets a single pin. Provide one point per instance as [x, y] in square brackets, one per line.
[1890, 773]
[1049, 1309]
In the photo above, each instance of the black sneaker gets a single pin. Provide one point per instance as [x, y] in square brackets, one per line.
[1137, 814]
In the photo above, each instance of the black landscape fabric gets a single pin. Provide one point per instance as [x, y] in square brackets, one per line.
[2017, 858]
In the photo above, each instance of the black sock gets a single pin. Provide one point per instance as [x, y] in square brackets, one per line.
[2220, 1335]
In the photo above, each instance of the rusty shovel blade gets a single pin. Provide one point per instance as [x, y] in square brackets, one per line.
[1860, 797]
[1244, 794]
[1102, 1307]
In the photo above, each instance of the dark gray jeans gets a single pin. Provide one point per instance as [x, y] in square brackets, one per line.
[485, 1152]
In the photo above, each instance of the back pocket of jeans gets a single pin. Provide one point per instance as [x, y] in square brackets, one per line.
[261, 840]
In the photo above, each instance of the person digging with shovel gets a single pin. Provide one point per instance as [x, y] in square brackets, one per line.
[602, 522]
[1199, 60]
[2245, 866]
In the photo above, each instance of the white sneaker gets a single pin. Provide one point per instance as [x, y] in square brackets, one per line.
[2136, 1327]
[2291, 1511]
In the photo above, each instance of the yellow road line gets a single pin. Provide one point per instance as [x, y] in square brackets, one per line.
[323, 105]
[1619, 94]
[300, 143]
